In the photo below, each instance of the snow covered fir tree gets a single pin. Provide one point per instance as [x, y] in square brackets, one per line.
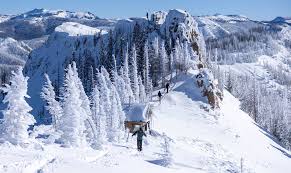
[72, 81]
[16, 117]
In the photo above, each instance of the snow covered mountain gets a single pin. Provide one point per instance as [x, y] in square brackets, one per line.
[69, 42]
[261, 56]
[172, 25]
[13, 52]
[22, 33]
[225, 141]
[250, 59]
[41, 13]
[83, 44]
[218, 26]
[4, 18]
[282, 20]
[40, 22]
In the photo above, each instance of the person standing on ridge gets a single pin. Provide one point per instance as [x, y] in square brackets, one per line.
[140, 133]
[160, 96]
[167, 87]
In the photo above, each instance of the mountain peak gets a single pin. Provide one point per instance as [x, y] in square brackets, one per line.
[280, 19]
[37, 11]
[228, 18]
[41, 12]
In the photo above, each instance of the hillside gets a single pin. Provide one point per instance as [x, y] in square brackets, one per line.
[40, 22]
[219, 26]
[214, 141]
[66, 109]
[13, 54]
[89, 46]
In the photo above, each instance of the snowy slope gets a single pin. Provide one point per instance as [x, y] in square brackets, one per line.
[73, 41]
[53, 57]
[75, 29]
[218, 26]
[4, 18]
[13, 52]
[199, 141]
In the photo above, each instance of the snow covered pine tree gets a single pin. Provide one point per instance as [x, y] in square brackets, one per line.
[17, 118]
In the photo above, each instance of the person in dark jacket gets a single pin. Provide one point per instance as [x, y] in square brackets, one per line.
[160, 96]
[140, 133]
[167, 87]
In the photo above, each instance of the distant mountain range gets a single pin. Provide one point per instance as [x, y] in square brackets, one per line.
[25, 32]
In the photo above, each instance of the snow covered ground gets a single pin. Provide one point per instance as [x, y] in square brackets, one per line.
[198, 141]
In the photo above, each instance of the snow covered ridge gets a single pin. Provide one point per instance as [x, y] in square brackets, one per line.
[227, 18]
[13, 52]
[219, 26]
[185, 138]
[40, 13]
[279, 20]
[89, 46]
[75, 29]
[4, 18]
[40, 22]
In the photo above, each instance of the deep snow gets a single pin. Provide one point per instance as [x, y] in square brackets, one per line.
[199, 141]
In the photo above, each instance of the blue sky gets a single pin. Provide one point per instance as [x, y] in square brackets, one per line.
[254, 9]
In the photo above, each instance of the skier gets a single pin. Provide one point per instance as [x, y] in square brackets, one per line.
[167, 87]
[160, 96]
[140, 133]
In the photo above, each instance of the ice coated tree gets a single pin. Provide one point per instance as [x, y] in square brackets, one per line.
[171, 65]
[147, 80]
[106, 77]
[105, 99]
[126, 78]
[118, 121]
[90, 79]
[83, 97]
[176, 57]
[283, 120]
[16, 116]
[95, 102]
[142, 93]
[99, 118]
[155, 61]
[220, 78]
[121, 87]
[102, 53]
[86, 111]
[110, 100]
[113, 119]
[121, 115]
[53, 106]
[163, 62]
[139, 37]
[134, 76]
[186, 57]
[73, 119]
[110, 59]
